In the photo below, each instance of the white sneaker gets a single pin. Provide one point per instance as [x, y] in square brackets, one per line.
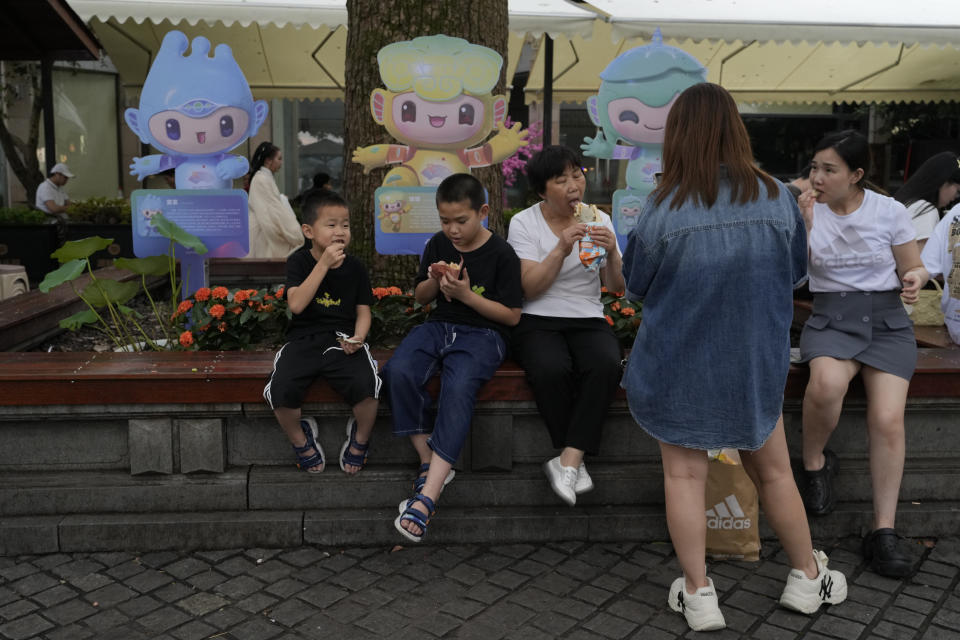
[805, 595]
[562, 480]
[701, 609]
[584, 482]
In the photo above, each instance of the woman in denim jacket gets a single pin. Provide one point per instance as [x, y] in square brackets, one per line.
[715, 256]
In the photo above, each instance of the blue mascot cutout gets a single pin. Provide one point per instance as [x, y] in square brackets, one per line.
[195, 109]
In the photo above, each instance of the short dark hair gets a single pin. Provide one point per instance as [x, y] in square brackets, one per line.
[320, 179]
[460, 187]
[550, 162]
[317, 200]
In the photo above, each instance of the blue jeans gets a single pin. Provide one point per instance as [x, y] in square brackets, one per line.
[466, 356]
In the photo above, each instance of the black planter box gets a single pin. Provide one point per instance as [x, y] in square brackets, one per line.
[30, 245]
[122, 235]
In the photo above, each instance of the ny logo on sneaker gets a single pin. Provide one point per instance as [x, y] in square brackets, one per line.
[826, 586]
[727, 514]
[680, 602]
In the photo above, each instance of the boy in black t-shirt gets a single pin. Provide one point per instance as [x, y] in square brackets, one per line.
[474, 276]
[330, 296]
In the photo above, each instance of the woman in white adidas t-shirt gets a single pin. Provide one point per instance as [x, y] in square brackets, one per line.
[863, 260]
[929, 191]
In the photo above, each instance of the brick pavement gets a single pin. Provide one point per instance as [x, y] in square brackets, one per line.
[569, 590]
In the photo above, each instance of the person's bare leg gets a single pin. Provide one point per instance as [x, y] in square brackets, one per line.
[571, 457]
[886, 400]
[822, 403]
[439, 468]
[685, 481]
[769, 468]
[289, 420]
[365, 413]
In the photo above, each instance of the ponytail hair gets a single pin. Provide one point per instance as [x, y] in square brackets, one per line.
[264, 152]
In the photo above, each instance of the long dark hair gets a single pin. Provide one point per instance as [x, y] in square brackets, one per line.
[925, 183]
[264, 152]
[704, 130]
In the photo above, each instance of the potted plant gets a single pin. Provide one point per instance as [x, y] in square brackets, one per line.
[28, 237]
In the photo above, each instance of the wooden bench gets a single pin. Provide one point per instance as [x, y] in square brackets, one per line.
[209, 377]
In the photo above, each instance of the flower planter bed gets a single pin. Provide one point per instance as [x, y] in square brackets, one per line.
[30, 245]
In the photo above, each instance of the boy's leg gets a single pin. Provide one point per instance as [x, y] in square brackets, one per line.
[294, 369]
[365, 413]
[470, 358]
[289, 420]
[406, 374]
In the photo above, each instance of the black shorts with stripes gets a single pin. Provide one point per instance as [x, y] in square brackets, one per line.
[300, 362]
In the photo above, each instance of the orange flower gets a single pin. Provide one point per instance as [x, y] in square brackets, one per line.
[279, 293]
[266, 307]
[408, 310]
[609, 320]
[236, 310]
[628, 311]
[267, 297]
[183, 307]
[394, 291]
[619, 294]
[220, 293]
[186, 339]
[217, 311]
[240, 296]
[616, 305]
[603, 290]
[204, 328]
[222, 327]
[202, 294]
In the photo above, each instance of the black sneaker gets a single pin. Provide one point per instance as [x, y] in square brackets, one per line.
[818, 496]
[882, 549]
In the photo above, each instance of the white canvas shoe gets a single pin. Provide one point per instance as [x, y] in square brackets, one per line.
[562, 480]
[584, 481]
[805, 595]
[701, 609]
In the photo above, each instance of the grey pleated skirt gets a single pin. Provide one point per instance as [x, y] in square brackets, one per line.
[870, 327]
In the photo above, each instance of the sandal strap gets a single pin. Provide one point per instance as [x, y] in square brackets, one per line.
[355, 459]
[308, 461]
[417, 516]
[420, 481]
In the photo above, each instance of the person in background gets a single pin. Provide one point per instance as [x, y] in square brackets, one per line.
[51, 195]
[274, 231]
[941, 256]
[716, 228]
[321, 181]
[564, 343]
[863, 261]
[929, 191]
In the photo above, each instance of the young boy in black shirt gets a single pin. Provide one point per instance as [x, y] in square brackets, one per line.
[330, 296]
[474, 276]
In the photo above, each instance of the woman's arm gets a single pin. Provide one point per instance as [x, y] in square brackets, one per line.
[537, 277]
[910, 269]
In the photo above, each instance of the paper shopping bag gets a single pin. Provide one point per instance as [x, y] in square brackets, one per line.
[733, 528]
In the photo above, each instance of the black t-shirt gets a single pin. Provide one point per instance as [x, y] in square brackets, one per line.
[494, 266]
[334, 306]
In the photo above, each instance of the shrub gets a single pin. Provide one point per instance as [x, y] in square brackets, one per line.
[100, 211]
[621, 314]
[217, 319]
[22, 216]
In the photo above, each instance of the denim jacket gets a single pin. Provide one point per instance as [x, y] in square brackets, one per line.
[710, 361]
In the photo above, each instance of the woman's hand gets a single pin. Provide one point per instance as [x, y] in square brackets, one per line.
[806, 202]
[604, 237]
[569, 236]
[913, 280]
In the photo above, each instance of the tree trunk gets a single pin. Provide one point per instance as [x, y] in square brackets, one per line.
[371, 25]
[22, 154]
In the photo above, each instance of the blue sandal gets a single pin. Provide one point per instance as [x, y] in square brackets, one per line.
[312, 432]
[421, 479]
[415, 516]
[347, 456]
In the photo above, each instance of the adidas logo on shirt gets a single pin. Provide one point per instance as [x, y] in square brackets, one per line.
[727, 514]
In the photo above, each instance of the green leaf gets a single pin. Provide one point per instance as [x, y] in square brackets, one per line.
[246, 315]
[116, 292]
[69, 271]
[75, 249]
[173, 231]
[77, 320]
[152, 266]
[127, 311]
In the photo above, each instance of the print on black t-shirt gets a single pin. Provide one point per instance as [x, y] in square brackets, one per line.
[334, 306]
[494, 272]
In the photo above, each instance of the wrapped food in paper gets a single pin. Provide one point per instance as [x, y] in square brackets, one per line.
[591, 254]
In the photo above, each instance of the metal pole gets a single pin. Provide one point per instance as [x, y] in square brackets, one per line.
[548, 90]
[49, 134]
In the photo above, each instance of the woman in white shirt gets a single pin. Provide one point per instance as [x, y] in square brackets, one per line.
[563, 341]
[929, 191]
[863, 260]
[274, 230]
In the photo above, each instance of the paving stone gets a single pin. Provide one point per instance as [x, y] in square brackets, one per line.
[239, 587]
[54, 595]
[834, 626]
[610, 626]
[904, 617]
[25, 627]
[34, 583]
[125, 570]
[285, 588]
[77, 632]
[893, 631]
[148, 580]
[923, 592]
[226, 617]
[552, 622]
[355, 579]
[302, 557]
[462, 608]
[257, 603]
[106, 620]
[258, 628]
[140, 606]
[592, 595]
[791, 620]
[949, 619]
[200, 604]
[17, 609]
[939, 633]
[631, 610]
[770, 632]
[110, 595]
[486, 593]
[8, 595]
[69, 611]
[438, 623]
[186, 567]
[194, 630]
[163, 619]
[381, 622]
[508, 579]
[206, 580]
[292, 612]
[322, 595]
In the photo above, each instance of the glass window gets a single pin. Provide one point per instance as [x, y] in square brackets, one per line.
[319, 142]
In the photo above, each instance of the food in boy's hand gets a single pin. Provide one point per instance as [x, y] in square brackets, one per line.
[440, 268]
[591, 254]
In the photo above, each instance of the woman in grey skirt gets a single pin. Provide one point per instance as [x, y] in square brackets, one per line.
[863, 260]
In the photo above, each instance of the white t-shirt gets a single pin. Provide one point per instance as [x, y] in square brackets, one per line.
[924, 217]
[575, 293]
[854, 252]
[941, 256]
[49, 191]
